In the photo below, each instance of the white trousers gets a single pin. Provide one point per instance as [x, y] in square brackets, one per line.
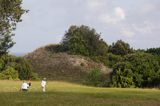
[44, 89]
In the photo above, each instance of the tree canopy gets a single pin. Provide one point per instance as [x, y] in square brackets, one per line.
[154, 51]
[137, 70]
[10, 14]
[84, 41]
[120, 48]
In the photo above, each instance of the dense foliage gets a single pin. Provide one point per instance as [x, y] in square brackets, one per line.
[14, 68]
[9, 74]
[10, 14]
[120, 48]
[154, 51]
[131, 68]
[137, 70]
[84, 41]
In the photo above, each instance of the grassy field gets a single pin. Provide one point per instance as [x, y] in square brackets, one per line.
[67, 94]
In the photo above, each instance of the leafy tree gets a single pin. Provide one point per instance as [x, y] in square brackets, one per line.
[10, 74]
[154, 51]
[122, 75]
[10, 14]
[84, 41]
[113, 59]
[137, 69]
[156, 79]
[120, 48]
[145, 66]
[24, 69]
[18, 63]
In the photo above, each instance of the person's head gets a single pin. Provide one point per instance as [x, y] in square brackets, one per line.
[30, 78]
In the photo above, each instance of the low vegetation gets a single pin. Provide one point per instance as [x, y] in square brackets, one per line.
[68, 94]
[15, 68]
[62, 66]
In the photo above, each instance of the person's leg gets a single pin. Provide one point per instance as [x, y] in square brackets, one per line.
[44, 89]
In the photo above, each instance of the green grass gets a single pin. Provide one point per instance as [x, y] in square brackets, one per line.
[67, 94]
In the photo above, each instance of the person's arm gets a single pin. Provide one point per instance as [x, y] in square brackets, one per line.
[27, 85]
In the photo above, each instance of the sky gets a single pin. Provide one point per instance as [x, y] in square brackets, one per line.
[134, 21]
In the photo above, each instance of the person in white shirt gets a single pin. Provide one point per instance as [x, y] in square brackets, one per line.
[43, 84]
[24, 86]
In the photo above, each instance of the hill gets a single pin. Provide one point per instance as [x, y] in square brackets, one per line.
[62, 66]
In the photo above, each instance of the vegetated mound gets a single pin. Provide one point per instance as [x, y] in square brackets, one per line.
[62, 66]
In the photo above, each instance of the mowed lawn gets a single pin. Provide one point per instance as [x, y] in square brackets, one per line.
[68, 94]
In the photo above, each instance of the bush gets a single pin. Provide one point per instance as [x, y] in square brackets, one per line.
[34, 76]
[136, 70]
[9, 74]
[122, 75]
[96, 78]
[17, 63]
[113, 59]
[23, 67]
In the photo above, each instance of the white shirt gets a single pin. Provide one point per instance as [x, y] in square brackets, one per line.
[25, 85]
[43, 83]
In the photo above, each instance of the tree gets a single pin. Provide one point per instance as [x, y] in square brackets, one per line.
[154, 51]
[113, 59]
[9, 74]
[10, 14]
[146, 67]
[136, 69]
[18, 63]
[120, 48]
[84, 41]
[122, 75]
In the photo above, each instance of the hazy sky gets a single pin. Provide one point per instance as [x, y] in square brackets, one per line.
[134, 21]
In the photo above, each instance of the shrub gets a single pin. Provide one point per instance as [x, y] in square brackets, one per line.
[136, 70]
[17, 63]
[96, 78]
[9, 74]
[93, 77]
[34, 76]
[23, 67]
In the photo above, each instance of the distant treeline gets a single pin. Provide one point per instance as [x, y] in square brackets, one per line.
[131, 68]
[154, 51]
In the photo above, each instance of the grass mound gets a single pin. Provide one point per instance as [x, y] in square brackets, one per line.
[62, 66]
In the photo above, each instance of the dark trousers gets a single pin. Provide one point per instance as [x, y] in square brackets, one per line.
[25, 90]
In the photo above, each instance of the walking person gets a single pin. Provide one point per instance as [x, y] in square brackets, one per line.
[43, 85]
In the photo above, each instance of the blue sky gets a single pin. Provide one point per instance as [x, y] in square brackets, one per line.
[134, 21]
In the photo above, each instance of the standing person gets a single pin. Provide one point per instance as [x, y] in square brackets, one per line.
[29, 82]
[43, 84]
[24, 86]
